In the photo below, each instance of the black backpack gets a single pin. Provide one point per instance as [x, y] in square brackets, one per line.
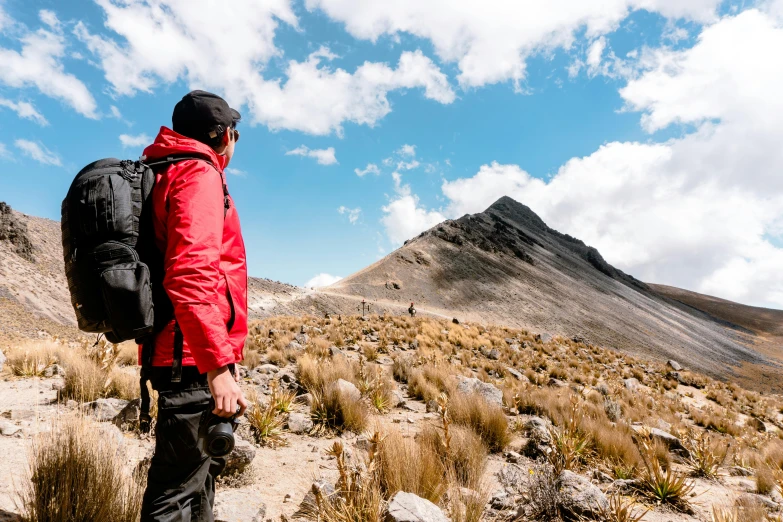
[114, 269]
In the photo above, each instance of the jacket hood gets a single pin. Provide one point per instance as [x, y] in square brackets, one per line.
[169, 142]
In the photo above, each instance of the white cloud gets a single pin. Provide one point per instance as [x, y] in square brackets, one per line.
[353, 213]
[371, 168]
[115, 112]
[236, 172]
[322, 156]
[322, 280]
[594, 56]
[39, 64]
[491, 41]
[407, 150]
[38, 152]
[3, 149]
[407, 165]
[140, 140]
[311, 97]
[703, 211]
[405, 218]
[24, 109]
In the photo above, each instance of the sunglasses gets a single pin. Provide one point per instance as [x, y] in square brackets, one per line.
[236, 135]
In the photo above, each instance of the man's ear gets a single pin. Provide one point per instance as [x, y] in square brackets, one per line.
[226, 138]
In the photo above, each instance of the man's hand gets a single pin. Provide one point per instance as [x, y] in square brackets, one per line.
[226, 393]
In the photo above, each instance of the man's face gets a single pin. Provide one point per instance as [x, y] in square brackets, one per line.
[230, 139]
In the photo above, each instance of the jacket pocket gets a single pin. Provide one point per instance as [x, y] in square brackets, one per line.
[127, 297]
[233, 316]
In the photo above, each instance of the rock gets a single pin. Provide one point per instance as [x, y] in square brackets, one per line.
[299, 422]
[240, 457]
[501, 500]
[512, 456]
[348, 389]
[309, 508]
[455, 321]
[105, 410]
[579, 339]
[673, 443]
[488, 392]
[335, 351]
[494, 354]
[509, 340]
[544, 338]
[407, 507]
[286, 376]
[306, 398]
[415, 344]
[397, 399]
[129, 415]
[268, 369]
[8, 429]
[302, 338]
[433, 406]
[674, 365]
[2, 360]
[293, 345]
[624, 485]
[631, 384]
[556, 383]
[515, 374]
[579, 497]
[232, 505]
[757, 424]
[739, 471]
[538, 429]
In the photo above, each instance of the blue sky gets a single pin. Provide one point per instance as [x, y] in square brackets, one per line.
[642, 131]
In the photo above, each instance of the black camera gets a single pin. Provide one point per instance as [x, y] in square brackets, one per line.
[217, 433]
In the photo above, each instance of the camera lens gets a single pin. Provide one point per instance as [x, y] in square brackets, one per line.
[219, 440]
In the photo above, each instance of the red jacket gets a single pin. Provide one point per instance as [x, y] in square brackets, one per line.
[204, 256]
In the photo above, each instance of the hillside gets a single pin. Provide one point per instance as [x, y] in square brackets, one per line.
[506, 266]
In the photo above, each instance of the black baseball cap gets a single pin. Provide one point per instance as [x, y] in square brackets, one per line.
[203, 116]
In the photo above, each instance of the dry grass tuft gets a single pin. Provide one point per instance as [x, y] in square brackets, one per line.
[336, 410]
[486, 420]
[76, 474]
[31, 360]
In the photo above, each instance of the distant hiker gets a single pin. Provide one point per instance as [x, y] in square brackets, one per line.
[412, 310]
[205, 275]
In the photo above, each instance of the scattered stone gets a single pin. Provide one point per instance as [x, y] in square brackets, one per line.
[538, 428]
[309, 507]
[105, 410]
[415, 344]
[739, 471]
[240, 457]
[232, 505]
[2, 360]
[674, 365]
[624, 485]
[397, 399]
[54, 370]
[556, 383]
[493, 354]
[299, 423]
[600, 476]
[579, 497]
[455, 321]
[544, 338]
[579, 339]
[306, 398]
[129, 415]
[673, 443]
[302, 338]
[407, 507]
[335, 351]
[631, 384]
[8, 429]
[512, 456]
[509, 340]
[348, 388]
[488, 392]
[268, 369]
[515, 374]
[757, 424]
[293, 345]
[754, 500]
[501, 500]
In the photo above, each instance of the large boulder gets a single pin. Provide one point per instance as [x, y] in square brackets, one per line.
[105, 410]
[299, 422]
[129, 415]
[8, 429]
[348, 389]
[578, 497]
[240, 457]
[407, 507]
[488, 392]
[670, 441]
[674, 365]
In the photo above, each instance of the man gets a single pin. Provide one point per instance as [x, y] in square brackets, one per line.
[205, 278]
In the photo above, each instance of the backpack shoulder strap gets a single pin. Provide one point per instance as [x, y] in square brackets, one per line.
[175, 158]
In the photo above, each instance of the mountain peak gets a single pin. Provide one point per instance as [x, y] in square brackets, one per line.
[513, 210]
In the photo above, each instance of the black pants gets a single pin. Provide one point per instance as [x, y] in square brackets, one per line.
[181, 478]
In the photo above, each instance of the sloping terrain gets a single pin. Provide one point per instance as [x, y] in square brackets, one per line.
[506, 266]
